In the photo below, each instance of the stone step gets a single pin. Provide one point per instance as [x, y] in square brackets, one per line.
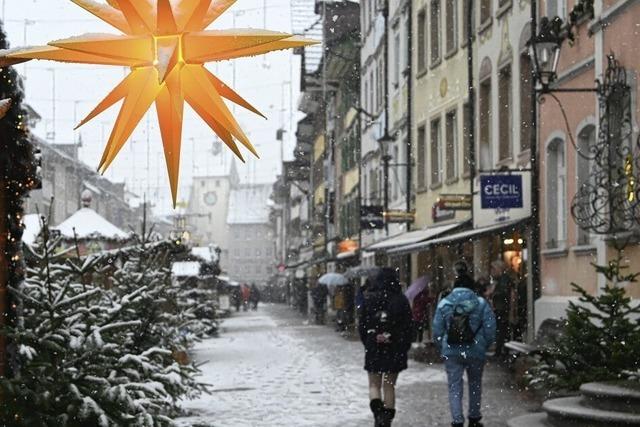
[618, 396]
[572, 412]
[539, 419]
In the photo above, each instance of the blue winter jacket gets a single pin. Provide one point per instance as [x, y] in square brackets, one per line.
[481, 318]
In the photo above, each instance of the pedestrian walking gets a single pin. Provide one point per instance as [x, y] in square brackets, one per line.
[246, 293]
[503, 304]
[463, 277]
[419, 312]
[385, 331]
[237, 297]
[319, 296]
[464, 326]
[254, 297]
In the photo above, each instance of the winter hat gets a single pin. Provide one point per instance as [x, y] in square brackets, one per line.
[460, 268]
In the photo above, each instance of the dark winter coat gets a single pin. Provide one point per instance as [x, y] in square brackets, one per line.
[385, 311]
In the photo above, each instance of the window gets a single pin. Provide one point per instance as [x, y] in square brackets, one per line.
[556, 194]
[365, 97]
[466, 130]
[434, 35]
[526, 89]
[372, 88]
[451, 124]
[381, 76]
[452, 25]
[485, 11]
[258, 252]
[422, 40]
[485, 114]
[373, 186]
[465, 8]
[422, 166]
[504, 113]
[393, 173]
[396, 63]
[586, 141]
[436, 153]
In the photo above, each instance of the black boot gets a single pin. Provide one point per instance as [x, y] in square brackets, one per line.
[387, 416]
[475, 422]
[377, 407]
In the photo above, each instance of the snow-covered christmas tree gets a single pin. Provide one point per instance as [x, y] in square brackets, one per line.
[93, 351]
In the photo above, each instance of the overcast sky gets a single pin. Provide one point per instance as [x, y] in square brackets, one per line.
[263, 81]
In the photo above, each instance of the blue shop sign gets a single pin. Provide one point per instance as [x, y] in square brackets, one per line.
[501, 191]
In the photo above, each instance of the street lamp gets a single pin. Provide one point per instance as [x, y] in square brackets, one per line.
[545, 50]
[385, 141]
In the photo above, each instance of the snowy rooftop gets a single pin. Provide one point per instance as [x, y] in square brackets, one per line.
[249, 204]
[185, 269]
[32, 227]
[89, 224]
[207, 253]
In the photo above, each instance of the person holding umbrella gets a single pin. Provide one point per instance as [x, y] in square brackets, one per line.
[421, 300]
[385, 332]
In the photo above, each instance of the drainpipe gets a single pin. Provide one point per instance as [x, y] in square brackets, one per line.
[409, 122]
[534, 290]
[471, 125]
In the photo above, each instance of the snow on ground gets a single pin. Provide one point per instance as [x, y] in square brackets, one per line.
[270, 369]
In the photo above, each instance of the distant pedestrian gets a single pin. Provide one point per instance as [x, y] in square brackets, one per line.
[420, 314]
[254, 297]
[385, 331]
[503, 304]
[237, 297]
[319, 296]
[246, 293]
[464, 326]
[463, 276]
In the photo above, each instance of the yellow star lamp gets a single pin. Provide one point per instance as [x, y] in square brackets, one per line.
[166, 44]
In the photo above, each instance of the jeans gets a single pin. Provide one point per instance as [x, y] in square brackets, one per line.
[455, 367]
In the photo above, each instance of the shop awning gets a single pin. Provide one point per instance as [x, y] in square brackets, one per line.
[457, 237]
[410, 238]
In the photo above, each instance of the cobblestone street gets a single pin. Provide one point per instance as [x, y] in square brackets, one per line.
[269, 368]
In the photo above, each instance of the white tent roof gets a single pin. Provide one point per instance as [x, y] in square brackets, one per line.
[89, 224]
[32, 227]
[185, 269]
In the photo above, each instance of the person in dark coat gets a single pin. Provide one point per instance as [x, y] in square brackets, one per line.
[254, 297]
[386, 332]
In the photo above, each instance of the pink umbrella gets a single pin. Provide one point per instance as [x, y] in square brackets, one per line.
[416, 287]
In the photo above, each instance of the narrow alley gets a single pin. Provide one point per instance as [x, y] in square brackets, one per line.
[269, 368]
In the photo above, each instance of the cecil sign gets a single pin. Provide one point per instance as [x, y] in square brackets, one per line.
[501, 191]
[501, 197]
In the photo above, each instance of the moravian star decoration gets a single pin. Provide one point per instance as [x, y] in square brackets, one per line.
[166, 44]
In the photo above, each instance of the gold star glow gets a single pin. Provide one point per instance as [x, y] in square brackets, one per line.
[166, 44]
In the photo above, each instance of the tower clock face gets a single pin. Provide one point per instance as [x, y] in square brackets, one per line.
[211, 198]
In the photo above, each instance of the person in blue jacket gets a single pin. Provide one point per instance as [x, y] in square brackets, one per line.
[464, 306]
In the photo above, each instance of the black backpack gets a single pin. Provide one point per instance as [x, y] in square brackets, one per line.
[459, 331]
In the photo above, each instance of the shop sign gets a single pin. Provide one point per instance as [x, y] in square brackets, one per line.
[455, 202]
[371, 217]
[398, 217]
[501, 197]
[501, 191]
[439, 214]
